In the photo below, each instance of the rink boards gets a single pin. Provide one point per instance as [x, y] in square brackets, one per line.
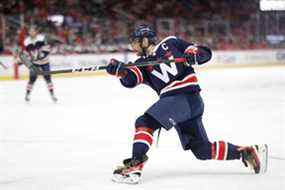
[221, 59]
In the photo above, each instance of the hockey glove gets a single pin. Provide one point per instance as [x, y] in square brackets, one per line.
[116, 68]
[191, 55]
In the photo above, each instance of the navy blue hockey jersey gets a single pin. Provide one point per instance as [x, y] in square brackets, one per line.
[166, 78]
[38, 49]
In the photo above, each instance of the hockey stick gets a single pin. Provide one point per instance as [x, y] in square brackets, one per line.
[28, 63]
[4, 66]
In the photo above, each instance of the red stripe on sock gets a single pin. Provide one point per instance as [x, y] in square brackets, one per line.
[213, 150]
[50, 86]
[144, 137]
[146, 129]
[221, 150]
[29, 87]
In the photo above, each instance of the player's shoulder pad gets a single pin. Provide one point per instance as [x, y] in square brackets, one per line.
[167, 40]
[39, 38]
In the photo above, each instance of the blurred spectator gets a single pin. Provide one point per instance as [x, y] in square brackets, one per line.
[97, 26]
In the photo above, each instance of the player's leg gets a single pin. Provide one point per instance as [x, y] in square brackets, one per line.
[193, 136]
[132, 167]
[143, 138]
[29, 88]
[46, 68]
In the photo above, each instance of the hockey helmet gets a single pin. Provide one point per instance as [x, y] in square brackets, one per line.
[143, 31]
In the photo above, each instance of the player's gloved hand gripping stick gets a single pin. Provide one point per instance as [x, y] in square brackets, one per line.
[191, 57]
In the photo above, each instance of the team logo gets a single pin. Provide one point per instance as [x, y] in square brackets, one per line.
[165, 71]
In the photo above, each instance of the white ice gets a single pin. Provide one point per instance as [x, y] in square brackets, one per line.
[76, 143]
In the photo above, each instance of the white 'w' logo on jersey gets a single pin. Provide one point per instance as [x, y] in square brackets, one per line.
[165, 69]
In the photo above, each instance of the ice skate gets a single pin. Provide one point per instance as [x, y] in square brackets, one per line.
[130, 173]
[27, 97]
[255, 157]
[53, 97]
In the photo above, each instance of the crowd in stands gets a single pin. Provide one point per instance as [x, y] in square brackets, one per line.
[98, 26]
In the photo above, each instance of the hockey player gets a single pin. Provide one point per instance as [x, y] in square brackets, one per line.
[180, 104]
[37, 47]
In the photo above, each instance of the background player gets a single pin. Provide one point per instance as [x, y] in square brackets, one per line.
[180, 104]
[38, 48]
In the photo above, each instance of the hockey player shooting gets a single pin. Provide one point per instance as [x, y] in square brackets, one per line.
[180, 105]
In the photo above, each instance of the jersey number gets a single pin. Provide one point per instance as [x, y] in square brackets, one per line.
[165, 71]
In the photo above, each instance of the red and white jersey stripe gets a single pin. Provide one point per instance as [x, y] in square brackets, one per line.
[29, 87]
[189, 80]
[143, 135]
[138, 74]
[38, 49]
[42, 61]
[191, 49]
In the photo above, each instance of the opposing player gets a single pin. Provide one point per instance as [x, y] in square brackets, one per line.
[37, 47]
[180, 104]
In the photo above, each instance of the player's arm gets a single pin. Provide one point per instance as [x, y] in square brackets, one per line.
[16, 53]
[129, 77]
[193, 52]
[53, 40]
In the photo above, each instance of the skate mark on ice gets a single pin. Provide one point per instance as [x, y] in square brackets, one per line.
[14, 180]
[170, 175]
[277, 158]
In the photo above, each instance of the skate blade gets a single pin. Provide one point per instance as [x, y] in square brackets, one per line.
[54, 99]
[263, 156]
[27, 99]
[132, 179]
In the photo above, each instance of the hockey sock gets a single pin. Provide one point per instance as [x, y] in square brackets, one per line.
[142, 141]
[29, 88]
[224, 151]
[50, 87]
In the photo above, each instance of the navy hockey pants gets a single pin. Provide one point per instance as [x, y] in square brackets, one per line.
[33, 76]
[184, 113]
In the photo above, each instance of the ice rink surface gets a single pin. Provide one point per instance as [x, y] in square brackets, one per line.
[76, 143]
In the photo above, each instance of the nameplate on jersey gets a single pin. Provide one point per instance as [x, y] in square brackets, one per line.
[165, 71]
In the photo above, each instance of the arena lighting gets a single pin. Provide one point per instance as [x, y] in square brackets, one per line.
[272, 5]
[57, 19]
